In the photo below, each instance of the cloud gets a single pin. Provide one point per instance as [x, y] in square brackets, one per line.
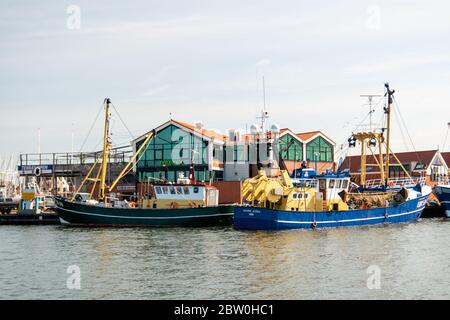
[263, 62]
[156, 90]
[399, 63]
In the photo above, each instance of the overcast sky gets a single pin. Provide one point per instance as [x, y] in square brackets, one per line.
[204, 60]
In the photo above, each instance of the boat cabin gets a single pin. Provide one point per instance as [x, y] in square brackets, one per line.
[179, 195]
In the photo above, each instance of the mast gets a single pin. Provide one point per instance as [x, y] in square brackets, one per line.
[264, 113]
[369, 139]
[387, 110]
[363, 162]
[106, 147]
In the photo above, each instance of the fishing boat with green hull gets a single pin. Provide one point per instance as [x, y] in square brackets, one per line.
[79, 214]
[185, 202]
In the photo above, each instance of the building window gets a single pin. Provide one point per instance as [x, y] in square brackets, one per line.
[173, 146]
[319, 150]
[420, 166]
[291, 148]
[158, 155]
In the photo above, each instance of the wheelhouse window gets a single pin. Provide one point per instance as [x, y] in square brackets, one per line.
[186, 190]
[158, 190]
[322, 183]
[332, 183]
[345, 184]
[172, 190]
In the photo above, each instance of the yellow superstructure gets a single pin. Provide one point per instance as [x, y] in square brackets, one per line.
[280, 193]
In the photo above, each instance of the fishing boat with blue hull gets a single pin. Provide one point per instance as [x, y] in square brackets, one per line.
[267, 219]
[308, 210]
[276, 200]
[442, 192]
[185, 202]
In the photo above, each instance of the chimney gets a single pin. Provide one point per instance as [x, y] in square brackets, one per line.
[199, 126]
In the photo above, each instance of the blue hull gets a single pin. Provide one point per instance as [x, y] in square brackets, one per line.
[444, 198]
[251, 218]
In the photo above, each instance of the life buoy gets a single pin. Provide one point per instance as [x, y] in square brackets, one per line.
[390, 183]
[314, 224]
[132, 204]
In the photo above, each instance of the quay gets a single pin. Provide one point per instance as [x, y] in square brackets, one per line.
[14, 218]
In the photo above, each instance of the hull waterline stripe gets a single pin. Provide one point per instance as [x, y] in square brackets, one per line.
[349, 220]
[133, 217]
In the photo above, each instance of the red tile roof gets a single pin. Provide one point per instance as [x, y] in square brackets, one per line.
[353, 162]
[208, 133]
[446, 156]
[308, 135]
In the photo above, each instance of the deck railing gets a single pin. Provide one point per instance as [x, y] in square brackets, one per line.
[117, 155]
[396, 182]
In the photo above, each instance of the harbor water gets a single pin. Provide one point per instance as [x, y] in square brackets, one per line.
[410, 261]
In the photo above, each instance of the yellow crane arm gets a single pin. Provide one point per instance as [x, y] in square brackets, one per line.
[87, 178]
[127, 167]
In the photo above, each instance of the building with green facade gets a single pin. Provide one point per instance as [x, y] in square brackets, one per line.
[173, 149]
[314, 149]
[218, 157]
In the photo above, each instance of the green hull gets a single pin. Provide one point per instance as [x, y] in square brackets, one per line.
[79, 214]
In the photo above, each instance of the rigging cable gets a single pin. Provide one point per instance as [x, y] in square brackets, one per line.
[407, 131]
[123, 122]
[446, 136]
[396, 112]
[92, 127]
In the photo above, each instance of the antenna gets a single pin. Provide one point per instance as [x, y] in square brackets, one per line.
[264, 94]
[264, 113]
[370, 99]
